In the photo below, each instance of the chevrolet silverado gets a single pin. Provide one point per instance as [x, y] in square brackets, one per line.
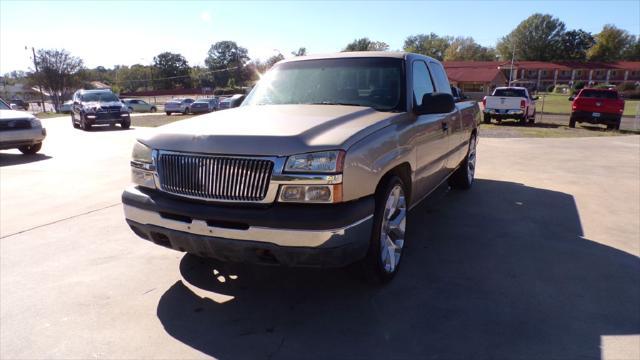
[318, 167]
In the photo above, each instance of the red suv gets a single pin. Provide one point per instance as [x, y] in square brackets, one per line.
[597, 106]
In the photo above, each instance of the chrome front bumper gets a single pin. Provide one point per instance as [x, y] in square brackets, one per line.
[11, 138]
[280, 237]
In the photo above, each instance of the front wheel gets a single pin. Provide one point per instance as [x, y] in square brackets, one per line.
[387, 238]
[168, 113]
[186, 111]
[463, 177]
[30, 149]
[73, 122]
[153, 109]
[125, 124]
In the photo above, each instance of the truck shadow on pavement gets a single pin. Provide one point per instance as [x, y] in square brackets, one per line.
[500, 271]
[18, 159]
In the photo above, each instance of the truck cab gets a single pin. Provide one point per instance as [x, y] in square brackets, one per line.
[510, 103]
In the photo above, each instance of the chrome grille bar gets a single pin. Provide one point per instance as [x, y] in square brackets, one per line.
[214, 177]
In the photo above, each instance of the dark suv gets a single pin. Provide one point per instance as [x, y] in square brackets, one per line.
[98, 107]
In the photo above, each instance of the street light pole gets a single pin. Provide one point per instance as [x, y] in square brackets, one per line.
[513, 56]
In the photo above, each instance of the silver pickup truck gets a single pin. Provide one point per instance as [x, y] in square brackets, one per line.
[318, 167]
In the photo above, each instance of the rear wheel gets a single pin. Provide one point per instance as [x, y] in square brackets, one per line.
[186, 111]
[168, 113]
[532, 119]
[387, 237]
[487, 119]
[614, 126]
[572, 122]
[463, 177]
[524, 117]
[153, 109]
[30, 149]
[130, 109]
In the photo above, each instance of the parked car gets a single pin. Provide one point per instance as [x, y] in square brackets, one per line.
[323, 177]
[204, 105]
[65, 108]
[178, 106]
[136, 105]
[232, 101]
[98, 107]
[597, 106]
[510, 103]
[20, 130]
[21, 104]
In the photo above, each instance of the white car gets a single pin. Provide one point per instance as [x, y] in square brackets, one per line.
[510, 103]
[20, 130]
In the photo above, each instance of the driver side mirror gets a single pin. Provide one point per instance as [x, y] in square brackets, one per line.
[436, 103]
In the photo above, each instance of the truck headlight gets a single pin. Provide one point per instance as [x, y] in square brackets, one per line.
[311, 193]
[142, 166]
[35, 123]
[317, 162]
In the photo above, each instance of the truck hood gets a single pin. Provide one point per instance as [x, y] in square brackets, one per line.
[273, 130]
[6, 115]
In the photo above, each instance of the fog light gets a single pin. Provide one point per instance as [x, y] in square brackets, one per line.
[311, 193]
[124, 115]
[91, 116]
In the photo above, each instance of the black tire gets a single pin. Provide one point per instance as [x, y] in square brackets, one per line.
[153, 109]
[83, 124]
[463, 177]
[523, 119]
[532, 119]
[572, 122]
[73, 122]
[373, 266]
[130, 109]
[168, 113]
[30, 149]
[125, 124]
[487, 119]
[186, 111]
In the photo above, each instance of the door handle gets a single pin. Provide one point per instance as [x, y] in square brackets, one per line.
[445, 126]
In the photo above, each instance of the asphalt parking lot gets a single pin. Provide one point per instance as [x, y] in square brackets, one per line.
[540, 260]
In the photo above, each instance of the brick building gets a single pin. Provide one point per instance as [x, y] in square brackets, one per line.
[481, 77]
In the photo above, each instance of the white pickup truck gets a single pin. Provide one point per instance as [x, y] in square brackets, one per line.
[510, 103]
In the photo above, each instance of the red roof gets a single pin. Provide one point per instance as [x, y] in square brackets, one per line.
[478, 74]
[534, 65]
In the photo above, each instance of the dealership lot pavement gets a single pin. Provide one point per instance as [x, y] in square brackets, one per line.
[539, 260]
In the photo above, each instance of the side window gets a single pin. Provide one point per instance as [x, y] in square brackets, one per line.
[421, 81]
[440, 78]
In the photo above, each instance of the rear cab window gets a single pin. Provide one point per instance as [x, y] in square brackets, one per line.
[598, 94]
[510, 93]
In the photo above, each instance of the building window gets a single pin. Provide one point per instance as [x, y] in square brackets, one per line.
[614, 73]
[579, 72]
[544, 72]
[598, 72]
[531, 72]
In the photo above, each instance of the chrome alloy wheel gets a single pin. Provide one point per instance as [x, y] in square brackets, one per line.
[471, 160]
[393, 229]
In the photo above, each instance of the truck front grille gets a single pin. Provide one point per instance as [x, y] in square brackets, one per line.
[214, 177]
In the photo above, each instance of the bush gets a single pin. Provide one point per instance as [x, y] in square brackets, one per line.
[579, 85]
[631, 94]
[550, 88]
[561, 89]
[628, 86]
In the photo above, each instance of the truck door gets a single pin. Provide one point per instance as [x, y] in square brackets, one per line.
[457, 133]
[430, 135]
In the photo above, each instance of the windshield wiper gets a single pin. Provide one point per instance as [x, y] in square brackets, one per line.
[335, 103]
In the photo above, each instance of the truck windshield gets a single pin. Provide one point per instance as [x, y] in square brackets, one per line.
[99, 96]
[599, 94]
[371, 82]
[510, 93]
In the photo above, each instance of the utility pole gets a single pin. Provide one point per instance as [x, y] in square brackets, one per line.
[35, 64]
[513, 56]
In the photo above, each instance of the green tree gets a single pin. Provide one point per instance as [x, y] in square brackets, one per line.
[539, 37]
[465, 48]
[612, 44]
[227, 60]
[172, 70]
[57, 72]
[300, 52]
[273, 60]
[364, 44]
[429, 45]
[633, 52]
[575, 44]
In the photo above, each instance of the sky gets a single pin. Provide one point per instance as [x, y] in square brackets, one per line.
[108, 33]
